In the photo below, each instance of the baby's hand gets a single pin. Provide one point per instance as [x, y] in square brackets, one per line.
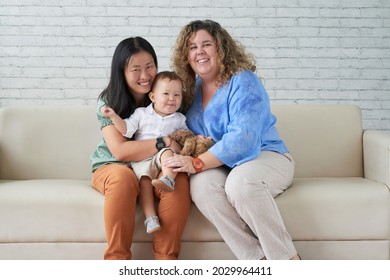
[107, 111]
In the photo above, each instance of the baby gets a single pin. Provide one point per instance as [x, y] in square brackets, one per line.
[157, 120]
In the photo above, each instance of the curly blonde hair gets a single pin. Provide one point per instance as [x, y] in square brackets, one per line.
[231, 53]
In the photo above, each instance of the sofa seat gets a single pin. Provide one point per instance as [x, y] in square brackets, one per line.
[44, 210]
[336, 209]
[35, 204]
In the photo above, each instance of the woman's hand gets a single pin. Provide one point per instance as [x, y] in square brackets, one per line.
[180, 163]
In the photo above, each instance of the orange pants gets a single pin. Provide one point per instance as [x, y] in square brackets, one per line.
[120, 187]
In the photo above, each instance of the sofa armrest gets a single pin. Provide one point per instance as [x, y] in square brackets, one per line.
[376, 153]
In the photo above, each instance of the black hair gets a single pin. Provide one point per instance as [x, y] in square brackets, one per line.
[117, 94]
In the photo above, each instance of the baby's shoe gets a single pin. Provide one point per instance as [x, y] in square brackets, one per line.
[152, 224]
[165, 183]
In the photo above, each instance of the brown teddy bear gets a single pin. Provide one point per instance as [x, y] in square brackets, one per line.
[192, 145]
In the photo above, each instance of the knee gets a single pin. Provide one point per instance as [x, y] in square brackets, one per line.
[183, 185]
[198, 190]
[239, 189]
[205, 185]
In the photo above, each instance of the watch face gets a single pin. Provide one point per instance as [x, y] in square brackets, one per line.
[160, 143]
[160, 146]
[198, 165]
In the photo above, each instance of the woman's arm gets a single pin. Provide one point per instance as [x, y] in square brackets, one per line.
[124, 150]
[239, 128]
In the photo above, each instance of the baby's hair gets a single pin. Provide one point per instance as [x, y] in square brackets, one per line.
[170, 75]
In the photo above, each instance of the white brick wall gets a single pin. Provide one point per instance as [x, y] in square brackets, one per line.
[308, 51]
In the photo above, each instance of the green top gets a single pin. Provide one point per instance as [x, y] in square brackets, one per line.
[102, 154]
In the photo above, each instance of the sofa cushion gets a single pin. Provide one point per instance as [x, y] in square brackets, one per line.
[50, 210]
[74, 211]
[324, 140]
[47, 142]
[336, 209]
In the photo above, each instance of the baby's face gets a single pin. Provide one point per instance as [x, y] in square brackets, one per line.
[167, 96]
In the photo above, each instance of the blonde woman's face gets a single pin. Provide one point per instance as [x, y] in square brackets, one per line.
[203, 55]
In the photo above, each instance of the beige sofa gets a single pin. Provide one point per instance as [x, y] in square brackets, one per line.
[337, 208]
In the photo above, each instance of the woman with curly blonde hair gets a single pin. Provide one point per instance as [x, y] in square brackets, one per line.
[234, 183]
[231, 54]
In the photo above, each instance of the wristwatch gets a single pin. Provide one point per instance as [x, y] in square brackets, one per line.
[160, 143]
[198, 164]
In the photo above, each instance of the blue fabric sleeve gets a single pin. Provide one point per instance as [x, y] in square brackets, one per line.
[248, 114]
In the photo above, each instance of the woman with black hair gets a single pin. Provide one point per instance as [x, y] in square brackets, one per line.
[133, 69]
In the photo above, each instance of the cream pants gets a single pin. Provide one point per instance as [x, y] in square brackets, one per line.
[241, 205]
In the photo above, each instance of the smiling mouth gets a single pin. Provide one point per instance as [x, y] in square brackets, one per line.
[144, 84]
[202, 60]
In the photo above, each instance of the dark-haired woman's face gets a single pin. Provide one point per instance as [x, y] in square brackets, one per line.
[140, 73]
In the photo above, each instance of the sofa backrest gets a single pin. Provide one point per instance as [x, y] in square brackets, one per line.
[324, 140]
[55, 142]
[47, 142]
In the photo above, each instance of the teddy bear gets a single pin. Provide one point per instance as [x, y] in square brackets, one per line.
[192, 144]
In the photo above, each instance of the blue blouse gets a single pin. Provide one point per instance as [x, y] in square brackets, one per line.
[238, 118]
